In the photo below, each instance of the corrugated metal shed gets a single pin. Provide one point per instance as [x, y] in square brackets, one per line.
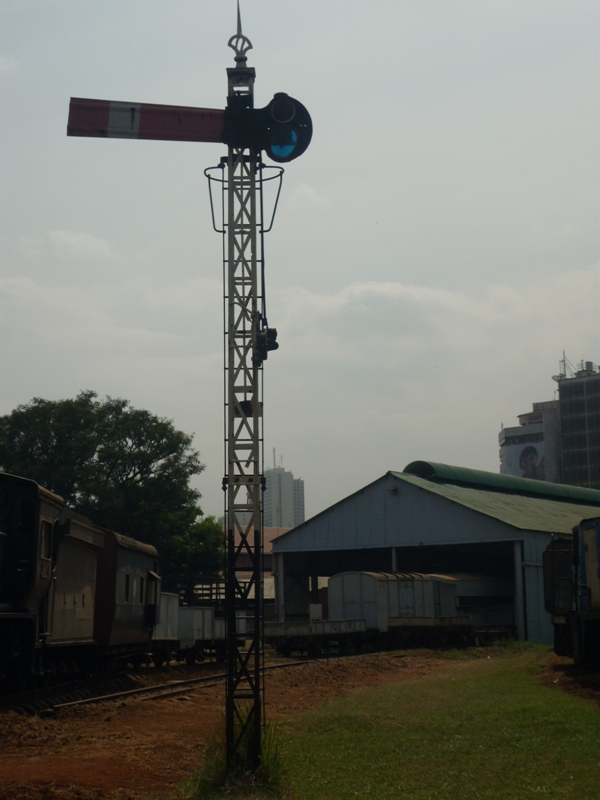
[436, 511]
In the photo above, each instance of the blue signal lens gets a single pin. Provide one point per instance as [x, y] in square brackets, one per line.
[283, 141]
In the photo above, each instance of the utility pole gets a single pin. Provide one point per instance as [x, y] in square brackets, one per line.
[282, 130]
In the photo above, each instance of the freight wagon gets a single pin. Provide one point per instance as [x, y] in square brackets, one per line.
[487, 599]
[187, 632]
[377, 610]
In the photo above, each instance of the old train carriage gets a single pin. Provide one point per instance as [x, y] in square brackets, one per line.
[127, 597]
[28, 517]
[73, 596]
[66, 619]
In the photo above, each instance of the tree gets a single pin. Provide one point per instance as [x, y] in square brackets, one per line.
[124, 468]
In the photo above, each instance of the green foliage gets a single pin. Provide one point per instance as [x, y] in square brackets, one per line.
[215, 779]
[198, 552]
[122, 467]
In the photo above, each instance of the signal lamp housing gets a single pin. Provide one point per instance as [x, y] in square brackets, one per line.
[283, 129]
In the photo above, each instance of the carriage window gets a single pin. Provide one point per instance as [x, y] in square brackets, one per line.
[141, 590]
[45, 539]
[127, 588]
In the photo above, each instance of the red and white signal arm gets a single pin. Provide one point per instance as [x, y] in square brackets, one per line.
[119, 120]
[283, 129]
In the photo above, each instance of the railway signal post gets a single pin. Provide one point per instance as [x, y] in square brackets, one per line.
[282, 130]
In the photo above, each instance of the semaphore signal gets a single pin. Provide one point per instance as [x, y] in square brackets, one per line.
[282, 130]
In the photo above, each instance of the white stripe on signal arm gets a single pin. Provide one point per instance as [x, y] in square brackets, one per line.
[123, 120]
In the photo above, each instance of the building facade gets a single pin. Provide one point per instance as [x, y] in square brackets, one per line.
[580, 425]
[533, 448]
[283, 500]
[559, 440]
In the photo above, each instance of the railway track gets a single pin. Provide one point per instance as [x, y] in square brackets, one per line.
[113, 688]
[78, 694]
[170, 689]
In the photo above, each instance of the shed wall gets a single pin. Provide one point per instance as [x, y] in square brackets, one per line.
[391, 514]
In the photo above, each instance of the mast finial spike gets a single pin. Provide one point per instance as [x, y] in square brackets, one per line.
[239, 43]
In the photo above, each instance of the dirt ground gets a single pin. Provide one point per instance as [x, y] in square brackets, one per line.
[143, 748]
[561, 673]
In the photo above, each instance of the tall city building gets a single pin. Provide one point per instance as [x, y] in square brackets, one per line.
[559, 440]
[283, 499]
[579, 395]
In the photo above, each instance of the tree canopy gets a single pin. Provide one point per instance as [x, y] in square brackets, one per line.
[124, 468]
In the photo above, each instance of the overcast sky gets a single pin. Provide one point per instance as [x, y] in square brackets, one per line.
[435, 249]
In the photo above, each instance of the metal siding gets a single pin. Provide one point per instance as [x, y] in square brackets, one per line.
[402, 509]
[129, 626]
[412, 516]
[356, 595]
[167, 626]
[196, 624]
[539, 623]
[447, 599]
[73, 592]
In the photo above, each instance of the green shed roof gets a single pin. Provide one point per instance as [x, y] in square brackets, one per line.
[493, 481]
[522, 511]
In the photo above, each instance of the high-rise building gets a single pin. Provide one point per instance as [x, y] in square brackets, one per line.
[532, 449]
[559, 440]
[579, 395]
[283, 499]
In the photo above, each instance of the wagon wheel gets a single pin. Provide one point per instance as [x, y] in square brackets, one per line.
[314, 649]
[284, 649]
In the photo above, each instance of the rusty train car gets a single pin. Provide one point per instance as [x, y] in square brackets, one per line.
[572, 592]
[73, 596]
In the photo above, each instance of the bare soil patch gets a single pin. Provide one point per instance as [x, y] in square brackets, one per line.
[137, 749]
[561, 673]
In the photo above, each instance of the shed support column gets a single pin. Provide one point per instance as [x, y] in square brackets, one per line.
[519, 591]
[278, 574]
[314, 586]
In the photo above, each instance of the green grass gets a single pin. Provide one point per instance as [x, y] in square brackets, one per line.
[481, 728]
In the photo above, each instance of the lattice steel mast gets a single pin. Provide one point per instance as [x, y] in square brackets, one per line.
[243, 435]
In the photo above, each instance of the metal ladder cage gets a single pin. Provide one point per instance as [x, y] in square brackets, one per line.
[242, 176]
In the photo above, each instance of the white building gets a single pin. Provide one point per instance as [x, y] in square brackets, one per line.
[533, 449]
[283, 500]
